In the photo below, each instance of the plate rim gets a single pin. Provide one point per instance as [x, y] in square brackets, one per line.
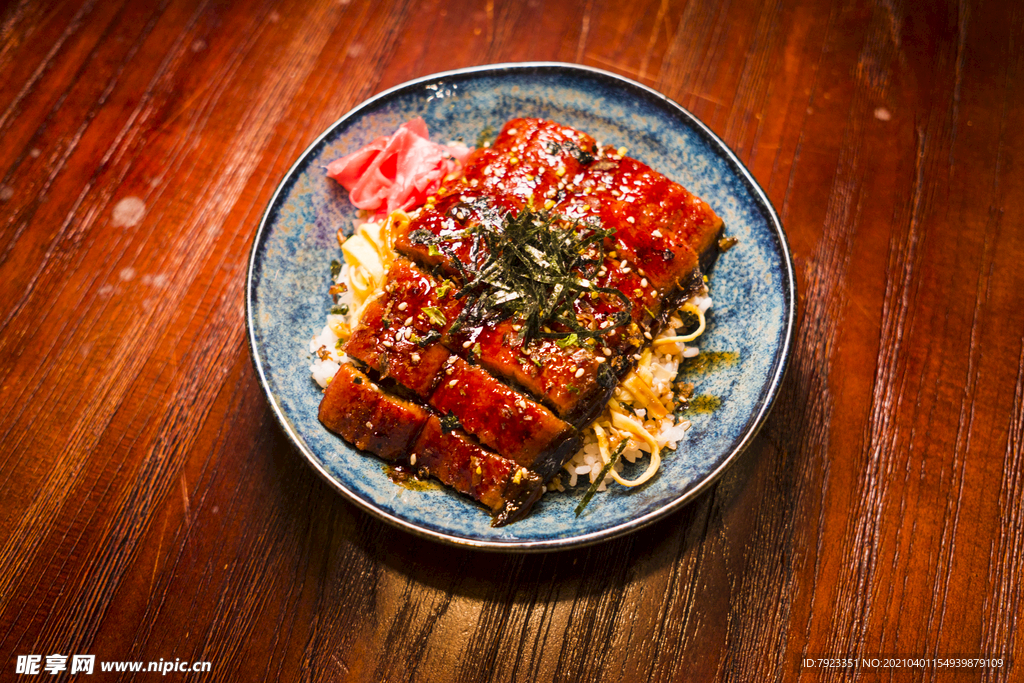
[771, 391]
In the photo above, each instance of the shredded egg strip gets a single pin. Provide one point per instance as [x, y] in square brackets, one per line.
[369, 253]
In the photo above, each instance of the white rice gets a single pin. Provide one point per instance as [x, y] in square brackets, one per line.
[326, 344]
[668, 432]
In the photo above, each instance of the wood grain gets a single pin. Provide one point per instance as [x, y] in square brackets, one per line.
[152, 508]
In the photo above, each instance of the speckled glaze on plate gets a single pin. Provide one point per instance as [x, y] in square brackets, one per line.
[750, 326]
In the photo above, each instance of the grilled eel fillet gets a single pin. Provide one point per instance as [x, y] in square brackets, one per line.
[481, 410]
[399, 430]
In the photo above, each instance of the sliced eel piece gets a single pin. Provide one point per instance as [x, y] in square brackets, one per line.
[504, 419]
[664, 259]
[364, 415]
[530, 162]
[445, 219]
[457, 461]
[565, 379]
[629, 195]
[398, 331]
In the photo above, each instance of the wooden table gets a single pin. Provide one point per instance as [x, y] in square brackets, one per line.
[153, 509]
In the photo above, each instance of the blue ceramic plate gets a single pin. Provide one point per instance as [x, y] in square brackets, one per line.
[749, 330]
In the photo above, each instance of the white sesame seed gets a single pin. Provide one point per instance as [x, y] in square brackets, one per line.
[655, 233]
[466, 344]
[416, 357]
[643, 283]
[408, 321]
[600, 359]
[453, 383]
[625, 270]
[647, 335]
[387, 343]
[412, 460]
[579, 373]
[369, 425]
[402, 306]
[606, 351]
[630, 219]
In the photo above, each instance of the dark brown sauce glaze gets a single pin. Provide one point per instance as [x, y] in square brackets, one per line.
[404, 476]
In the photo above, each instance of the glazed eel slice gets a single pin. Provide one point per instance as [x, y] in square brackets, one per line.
[368, 417]
[504, 419]
[398, 338]
[662, 228]
[403, 432]
[398, 331]
[503, 486]
[567, 379]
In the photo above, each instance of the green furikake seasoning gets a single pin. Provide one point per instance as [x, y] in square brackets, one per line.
[537, 265]
[435, 315]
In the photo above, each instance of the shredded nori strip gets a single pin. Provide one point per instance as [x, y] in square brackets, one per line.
[605, 377]
[429, 338]
[578, 153]
[449, 423]
[600, 477]
[690, 322]
[537, 265]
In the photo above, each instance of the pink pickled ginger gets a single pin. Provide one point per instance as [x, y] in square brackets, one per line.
[398, 171]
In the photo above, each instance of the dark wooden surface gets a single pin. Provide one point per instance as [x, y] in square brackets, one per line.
[152, 508]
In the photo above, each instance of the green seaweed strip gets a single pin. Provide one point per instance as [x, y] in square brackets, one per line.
[600, 477]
